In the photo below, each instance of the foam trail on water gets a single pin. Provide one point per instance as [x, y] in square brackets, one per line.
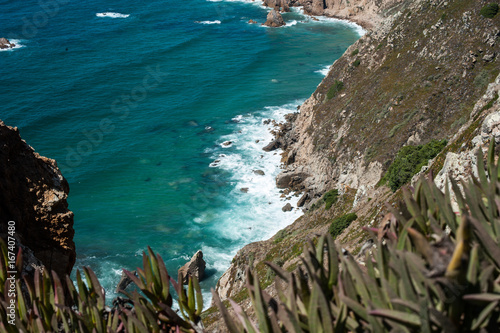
[112, 15]
[208, 22]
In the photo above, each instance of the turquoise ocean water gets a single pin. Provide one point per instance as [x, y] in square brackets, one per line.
[135, 104]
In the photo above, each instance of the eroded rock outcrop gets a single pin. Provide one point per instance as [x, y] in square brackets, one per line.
[33, 194]
[6, 44]
[195, 267]
[274, 19]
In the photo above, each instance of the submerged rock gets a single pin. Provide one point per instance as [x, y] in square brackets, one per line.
[195, 267]
[259, 172]
[274, 19]
[273, 145]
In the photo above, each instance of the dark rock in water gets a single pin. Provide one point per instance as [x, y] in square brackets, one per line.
[252, 22]
[259, 172]
[227, 143]
[267, 122]
[125, 281]
[302, 201]
[244, 189]
[274, 19]
[273, 145]
[195, 267]
[287, 208]
[6, 44]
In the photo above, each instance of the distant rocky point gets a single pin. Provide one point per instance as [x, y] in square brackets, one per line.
[6, 44]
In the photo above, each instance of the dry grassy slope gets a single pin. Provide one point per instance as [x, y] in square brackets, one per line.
[419, 78]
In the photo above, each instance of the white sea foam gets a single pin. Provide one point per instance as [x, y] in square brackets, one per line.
[16, 42]
[323, 71]
[208, 22]
[329, 20]
[255, 213]
[291, 23]
[112, 15]
[359, 29]
[238, 118]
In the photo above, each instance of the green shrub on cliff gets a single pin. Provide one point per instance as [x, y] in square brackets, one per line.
[330, 198]
[334, 89]
[409, 161]
[490, 10]
[341, 223]
[431, 271]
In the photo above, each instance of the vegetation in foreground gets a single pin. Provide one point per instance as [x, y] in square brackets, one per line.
[432, 270]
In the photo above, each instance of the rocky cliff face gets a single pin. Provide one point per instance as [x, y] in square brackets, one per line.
[426, 69]
[33, 194]
[414, 79]
[368, 13]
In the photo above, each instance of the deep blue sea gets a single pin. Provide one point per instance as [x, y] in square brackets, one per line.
[134, 99]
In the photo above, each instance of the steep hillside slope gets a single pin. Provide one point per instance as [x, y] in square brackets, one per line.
[428, 71]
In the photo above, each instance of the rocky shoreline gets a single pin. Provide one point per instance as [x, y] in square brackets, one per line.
[366, 13]
[348, 132]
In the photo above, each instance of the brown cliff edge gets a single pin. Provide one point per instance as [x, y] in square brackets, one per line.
[33, 194]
